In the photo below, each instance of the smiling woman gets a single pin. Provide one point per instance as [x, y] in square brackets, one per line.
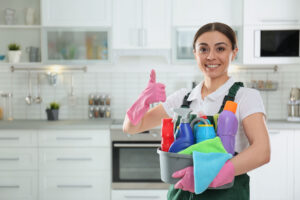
[214, 48]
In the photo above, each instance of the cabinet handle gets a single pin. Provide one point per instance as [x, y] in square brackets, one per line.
[141, 197]
[274, 132]
[74, 186]
[74, 159]
[73, 138]
[9, 159]
[10, 186]
[9, 138]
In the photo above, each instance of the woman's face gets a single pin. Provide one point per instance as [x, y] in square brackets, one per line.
[213, 53]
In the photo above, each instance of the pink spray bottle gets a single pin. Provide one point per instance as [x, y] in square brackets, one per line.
[227, 126]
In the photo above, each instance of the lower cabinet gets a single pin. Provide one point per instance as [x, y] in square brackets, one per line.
[296, 167]
[71, 185]
[273, 181]
[139, 194]
[18, 185]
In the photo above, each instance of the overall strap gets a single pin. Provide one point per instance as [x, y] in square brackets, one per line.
[185, 102]
[231, 94]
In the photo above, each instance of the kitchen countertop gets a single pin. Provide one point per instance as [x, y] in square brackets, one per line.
[106, 124]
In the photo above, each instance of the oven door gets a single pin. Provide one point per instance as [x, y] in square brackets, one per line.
[135, 161]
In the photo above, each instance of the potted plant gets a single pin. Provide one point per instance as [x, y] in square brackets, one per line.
[14, 53]
[52, 111]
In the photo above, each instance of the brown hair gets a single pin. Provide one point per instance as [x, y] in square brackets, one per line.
[220, 27]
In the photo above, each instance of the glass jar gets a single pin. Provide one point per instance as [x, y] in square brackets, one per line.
[102, 111]
[91, 99]
[7, 108]
[107, 112]
[91, 112]
[107, 100]
[96, 111]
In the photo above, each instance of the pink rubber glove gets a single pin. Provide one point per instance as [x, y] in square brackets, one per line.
[225, 175]
[187, 179]
[154, 92]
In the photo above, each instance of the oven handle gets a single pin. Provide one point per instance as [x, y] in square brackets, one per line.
[136, 145]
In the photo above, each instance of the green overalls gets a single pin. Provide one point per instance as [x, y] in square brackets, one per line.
[240, 189]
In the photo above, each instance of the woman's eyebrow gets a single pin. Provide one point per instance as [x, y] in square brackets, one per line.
[219, 43]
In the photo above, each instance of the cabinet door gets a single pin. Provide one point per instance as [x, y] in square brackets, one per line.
[200, 12]
[271, 12]
[76, 13]
[270, 182]
[18, 159]
[296, 165]
[72, 185]
[127, 21]
[18, 138]
[18, 185]
[156, 24]
[139, 194]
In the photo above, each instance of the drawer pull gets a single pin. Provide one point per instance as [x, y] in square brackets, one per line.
[74, 159]
[141, 197]
[9, 159]
[9, 138]
[74, 186]
[73, 138]
[10, 186]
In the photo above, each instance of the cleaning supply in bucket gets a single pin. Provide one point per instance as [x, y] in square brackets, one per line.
[227, 126]
[167, 134]
[185, 137]
[203, 130]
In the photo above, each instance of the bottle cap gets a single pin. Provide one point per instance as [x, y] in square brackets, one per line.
[230, 106]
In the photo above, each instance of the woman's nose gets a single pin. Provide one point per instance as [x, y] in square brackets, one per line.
[211, 55]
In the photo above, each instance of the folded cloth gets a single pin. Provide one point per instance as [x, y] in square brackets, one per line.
[206, 168]
[207, 146]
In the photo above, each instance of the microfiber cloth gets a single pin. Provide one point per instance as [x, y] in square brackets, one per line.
[206, 168]
[207, 146]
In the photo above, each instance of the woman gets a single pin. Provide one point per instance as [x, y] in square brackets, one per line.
[214, 48]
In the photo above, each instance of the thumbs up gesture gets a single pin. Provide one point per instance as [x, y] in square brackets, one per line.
[154, 92]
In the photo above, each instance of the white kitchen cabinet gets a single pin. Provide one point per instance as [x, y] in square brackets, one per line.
[70, 185]
[18, 185]
[141, 24]
[296, 165]
[76, 13]
[74, 164]
[199, 12]
[269, 12]
[139, 194]
[272, 181]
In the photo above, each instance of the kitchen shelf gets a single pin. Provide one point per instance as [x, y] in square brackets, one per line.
[20, 26]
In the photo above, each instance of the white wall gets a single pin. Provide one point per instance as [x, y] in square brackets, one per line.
[125, 80]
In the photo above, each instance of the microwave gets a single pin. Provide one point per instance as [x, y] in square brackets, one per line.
[275, 43]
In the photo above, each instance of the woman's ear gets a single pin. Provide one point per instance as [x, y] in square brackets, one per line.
[234, 53]
[194, 52]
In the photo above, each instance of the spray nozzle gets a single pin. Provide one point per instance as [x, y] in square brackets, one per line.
[184, 113]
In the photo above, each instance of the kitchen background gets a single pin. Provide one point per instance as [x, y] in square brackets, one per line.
[108, 48]
[146, 41]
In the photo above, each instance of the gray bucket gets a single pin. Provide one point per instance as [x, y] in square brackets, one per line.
[172, 162]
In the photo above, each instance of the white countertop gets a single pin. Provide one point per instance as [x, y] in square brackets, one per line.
[106, 124]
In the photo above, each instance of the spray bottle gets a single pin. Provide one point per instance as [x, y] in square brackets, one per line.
[227, 126]
[185, 136]
[167, 134]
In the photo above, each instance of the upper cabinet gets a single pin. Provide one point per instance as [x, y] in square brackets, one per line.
[257, 12]
[200, 12]
[141, 24]
[76, 13]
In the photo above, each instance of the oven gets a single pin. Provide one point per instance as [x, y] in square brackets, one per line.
[135, 162]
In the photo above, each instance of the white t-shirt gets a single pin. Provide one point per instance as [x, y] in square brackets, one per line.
[249, 101]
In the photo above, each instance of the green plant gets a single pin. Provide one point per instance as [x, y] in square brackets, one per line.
[14, 47]
[54, 106]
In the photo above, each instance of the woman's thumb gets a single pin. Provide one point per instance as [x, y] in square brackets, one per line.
[152, 76]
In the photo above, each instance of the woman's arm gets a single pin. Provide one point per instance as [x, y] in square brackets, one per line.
[258, 153]
[151, 119]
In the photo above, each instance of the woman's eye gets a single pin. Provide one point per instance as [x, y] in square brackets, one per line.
[203, 50]
[220, 49]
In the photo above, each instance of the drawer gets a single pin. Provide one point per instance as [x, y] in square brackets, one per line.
[74, 138]
[18, 159]
[18, 185]
[18, 138]
[74, 158]
[75, 185]
[139, 194]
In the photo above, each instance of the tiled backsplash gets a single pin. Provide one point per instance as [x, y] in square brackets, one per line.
[124, 81]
